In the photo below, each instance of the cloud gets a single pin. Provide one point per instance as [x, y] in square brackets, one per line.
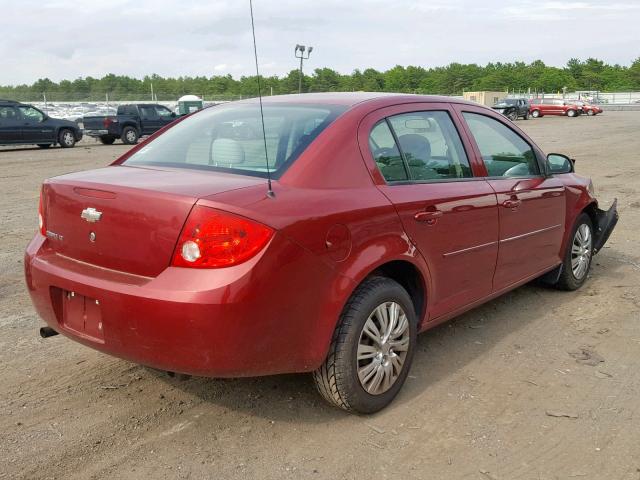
[61, 39]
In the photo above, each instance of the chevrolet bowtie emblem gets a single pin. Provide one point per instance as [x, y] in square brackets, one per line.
[91, 215]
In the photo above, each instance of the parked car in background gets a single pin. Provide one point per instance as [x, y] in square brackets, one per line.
[129, 124]
[586, 108]
[541, 107]
[384, 216]
[513, 108]
[22, 124]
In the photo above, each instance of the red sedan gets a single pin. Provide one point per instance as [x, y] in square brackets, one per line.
[388, 215]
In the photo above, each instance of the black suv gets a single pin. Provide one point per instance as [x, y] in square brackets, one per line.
[513, 108]
[22, 124]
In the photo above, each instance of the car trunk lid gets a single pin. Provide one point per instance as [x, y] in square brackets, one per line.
[126, 218]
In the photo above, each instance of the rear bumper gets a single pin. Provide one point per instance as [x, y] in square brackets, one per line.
[96, 133]
[606, 222]
[273, 314]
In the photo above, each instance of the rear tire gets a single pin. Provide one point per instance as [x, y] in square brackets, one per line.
[365, 370]
[66, 138]
[130, 136]
[526, 116]
[578, 255]
[107, 140]
[571, 113]
[44, 145]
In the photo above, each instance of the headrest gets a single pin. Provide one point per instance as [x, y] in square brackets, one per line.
[416, 147]
[226, 151]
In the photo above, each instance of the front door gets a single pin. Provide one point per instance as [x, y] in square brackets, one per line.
[531, 205]
[449, 213]
[150, 119]
[10, 131]
[35, 128]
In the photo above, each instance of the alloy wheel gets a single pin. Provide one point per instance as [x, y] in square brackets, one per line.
[382, 348]
[67, 138]
[581, 251]
[131, 136]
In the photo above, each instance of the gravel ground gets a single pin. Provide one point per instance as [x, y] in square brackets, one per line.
[497, 393]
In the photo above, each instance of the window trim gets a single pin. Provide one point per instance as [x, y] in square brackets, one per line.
[410, 180]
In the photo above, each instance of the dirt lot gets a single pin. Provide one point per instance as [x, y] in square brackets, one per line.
[494, 394]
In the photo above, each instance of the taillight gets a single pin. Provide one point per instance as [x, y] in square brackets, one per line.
[212, 238]
[41, 224]
[106, 122]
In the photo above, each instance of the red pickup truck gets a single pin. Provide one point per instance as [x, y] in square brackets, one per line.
[541, 107]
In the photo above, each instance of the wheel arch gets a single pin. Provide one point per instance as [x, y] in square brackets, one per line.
[410, 278]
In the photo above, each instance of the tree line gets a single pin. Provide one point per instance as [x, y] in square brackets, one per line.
[453, 79]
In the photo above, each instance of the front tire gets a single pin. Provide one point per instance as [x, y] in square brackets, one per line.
[591, 113]
[66, 138]
[536, 114]
[130, 136]
[371, 350]
[577, 257]
[512, 115]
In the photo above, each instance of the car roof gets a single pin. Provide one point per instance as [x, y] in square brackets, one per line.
[351, 99]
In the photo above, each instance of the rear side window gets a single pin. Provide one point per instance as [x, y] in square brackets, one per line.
[229, 138]
[428, 148]
[8, 113]
[504, 152]
[386, 154]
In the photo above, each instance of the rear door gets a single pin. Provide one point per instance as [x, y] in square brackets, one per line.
[34, 127]
[531, 204]
[10, 129]
[149, 119]
[420, 163]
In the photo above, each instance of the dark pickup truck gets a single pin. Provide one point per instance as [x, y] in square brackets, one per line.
[513, 108]
[129, 124]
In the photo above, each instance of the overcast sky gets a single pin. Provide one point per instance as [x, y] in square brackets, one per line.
[63, 39]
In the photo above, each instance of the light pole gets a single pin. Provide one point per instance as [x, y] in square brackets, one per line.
[302, 49]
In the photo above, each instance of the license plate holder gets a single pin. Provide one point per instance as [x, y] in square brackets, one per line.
[82, 315]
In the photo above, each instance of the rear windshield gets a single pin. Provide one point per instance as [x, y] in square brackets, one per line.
[229, 138]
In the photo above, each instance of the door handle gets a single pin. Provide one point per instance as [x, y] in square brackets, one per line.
[430, 217]
[512, 203]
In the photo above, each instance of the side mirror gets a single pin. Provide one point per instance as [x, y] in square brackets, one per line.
[559, 163]
[173, 114]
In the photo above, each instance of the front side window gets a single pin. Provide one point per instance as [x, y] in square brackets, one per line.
[504, 152]
[229, 138]
[30, 113]
[148, 112]
[163, 112]
[430, 146]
